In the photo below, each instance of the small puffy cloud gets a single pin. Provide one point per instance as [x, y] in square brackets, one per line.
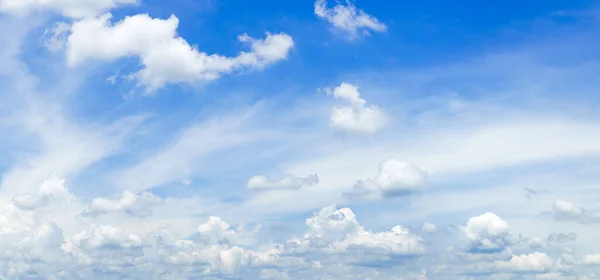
[564, 210]
[216, 230]
[395, 178]
[128, 203]
[429, 228]
[562, 237]
[348, 19]
[166, 57]
[487, 233]
[532, 262]
[289, 182]
[356, 117]
[68, 8]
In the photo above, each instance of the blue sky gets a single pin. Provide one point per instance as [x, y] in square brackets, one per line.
[214, 139]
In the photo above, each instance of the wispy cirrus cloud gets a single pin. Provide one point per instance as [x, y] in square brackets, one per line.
[348, 19]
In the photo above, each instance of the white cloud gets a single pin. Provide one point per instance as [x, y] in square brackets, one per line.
[429, 228]
[64, 147]
[348, 18]
[68, 8]
[166, 57]
[336, 231]
[129, 203]
[102, 237]
[52, 243]
[55, 37]
[333, 244]
[28, 201]
[52, 187]
[36, 245]
[330, 233]
[532, 262]
[191, 258]
[216, 229]
[395, 178]
[357, 117]
[487, 233]
[288, 182]
[591, 259]
[565, 210]
[444, 151]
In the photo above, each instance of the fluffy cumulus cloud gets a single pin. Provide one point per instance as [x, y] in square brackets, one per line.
[68, 8]
[395, 178]
[53, 187]
[56, 244]
[429, 228]
[289, 182]
[348, 19]
[36, 245]
[166, 57]
[129, 203]
[338, 233]
[533, 262]
[487, 233]
[565, 210]
[357, 117]
[493, 252]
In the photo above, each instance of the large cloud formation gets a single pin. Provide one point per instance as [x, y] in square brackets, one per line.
[166, 57]
[395, 178]
[53, 243]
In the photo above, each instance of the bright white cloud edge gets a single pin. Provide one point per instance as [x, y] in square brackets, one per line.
[166, 57]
